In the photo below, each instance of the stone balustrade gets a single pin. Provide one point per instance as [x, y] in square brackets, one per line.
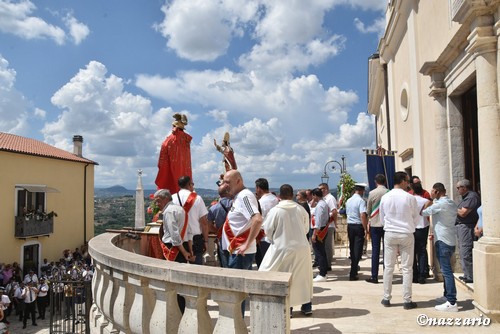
[138, 294]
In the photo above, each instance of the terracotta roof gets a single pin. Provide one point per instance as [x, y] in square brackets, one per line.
[23, 145]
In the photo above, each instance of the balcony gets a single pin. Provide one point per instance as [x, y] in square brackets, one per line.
[33, 227]
[138, 294]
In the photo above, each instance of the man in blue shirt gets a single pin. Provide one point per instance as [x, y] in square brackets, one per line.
[357, 223]
[443, 211]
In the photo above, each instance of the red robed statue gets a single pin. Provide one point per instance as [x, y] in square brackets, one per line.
[175, 156]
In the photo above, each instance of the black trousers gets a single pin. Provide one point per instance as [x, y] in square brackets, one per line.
[356, 234]
[320, 254]
[29, 310]
[421, 260]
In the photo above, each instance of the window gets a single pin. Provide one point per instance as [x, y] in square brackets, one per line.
[28, 201]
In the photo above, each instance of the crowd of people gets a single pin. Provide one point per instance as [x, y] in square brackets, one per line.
[276, 232]
[26, 295]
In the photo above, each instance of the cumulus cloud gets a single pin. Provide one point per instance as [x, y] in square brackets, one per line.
[201, 30]
[77, 30]
[17, 19]
[378, 26]
[122, 131]
[13, 115]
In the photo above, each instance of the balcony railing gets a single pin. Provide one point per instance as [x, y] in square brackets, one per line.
[32, 227]
[138, 294]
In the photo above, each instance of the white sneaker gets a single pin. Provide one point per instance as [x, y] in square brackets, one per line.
[447, 307]
[319, 278]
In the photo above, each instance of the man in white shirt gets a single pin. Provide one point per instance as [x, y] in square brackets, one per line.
[31, 277]
[195, 208]
[267, 201]
[400, 213]
[330, 238]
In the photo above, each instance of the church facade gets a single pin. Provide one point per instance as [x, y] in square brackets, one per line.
[434, 90]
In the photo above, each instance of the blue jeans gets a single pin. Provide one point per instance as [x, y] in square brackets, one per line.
[241, 261]
[444, 254]
[377, 235]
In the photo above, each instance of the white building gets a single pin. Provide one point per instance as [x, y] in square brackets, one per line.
[434, 89]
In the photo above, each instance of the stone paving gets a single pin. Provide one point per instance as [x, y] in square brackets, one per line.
[343, 306]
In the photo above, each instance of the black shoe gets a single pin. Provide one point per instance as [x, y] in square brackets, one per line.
[386, 302]
[409, 305]
[461, 278]
[34, 324]
[306, 312]
[353, 278]
[24, 326]
[421, 280]
[467, 280]
[372, 280]
[415, 280]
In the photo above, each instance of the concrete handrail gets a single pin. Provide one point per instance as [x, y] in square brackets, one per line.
[149, 286]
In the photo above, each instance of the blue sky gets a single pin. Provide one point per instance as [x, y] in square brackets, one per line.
[286, 78]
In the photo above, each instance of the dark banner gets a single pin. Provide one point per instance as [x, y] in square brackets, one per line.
[380, 164]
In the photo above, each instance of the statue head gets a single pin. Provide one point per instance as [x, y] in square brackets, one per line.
[180, 121]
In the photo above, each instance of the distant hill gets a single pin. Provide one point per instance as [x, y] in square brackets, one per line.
[117, 191]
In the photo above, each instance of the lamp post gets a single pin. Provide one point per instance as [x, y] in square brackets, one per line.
[325, 177]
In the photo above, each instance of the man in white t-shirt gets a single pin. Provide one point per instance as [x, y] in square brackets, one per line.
[197, 212]
[400, 213]
[243, 223]
[332, 206]
[267, 201]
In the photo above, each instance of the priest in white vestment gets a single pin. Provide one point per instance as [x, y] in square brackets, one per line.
[286, 226]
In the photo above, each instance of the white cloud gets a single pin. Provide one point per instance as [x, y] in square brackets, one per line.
[13, 115]
[40, 113]
[17, 20]
[378, 26]
[78, 31]
[121, 132]
[201, 30]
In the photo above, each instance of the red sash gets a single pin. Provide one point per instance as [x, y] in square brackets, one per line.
[238, 240]
[322, 233]
[171, 253]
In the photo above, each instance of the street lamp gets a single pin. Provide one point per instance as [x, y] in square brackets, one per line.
[325, 177]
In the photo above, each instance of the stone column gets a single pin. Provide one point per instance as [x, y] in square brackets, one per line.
[273, 315]
[196, 318]
[230, 319]
[483, 44]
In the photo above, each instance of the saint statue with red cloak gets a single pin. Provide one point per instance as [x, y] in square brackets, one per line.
[175, 156]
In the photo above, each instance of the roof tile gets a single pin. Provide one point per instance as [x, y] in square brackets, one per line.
[23, 145]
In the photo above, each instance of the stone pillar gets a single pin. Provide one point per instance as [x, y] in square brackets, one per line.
[483, 44]
[141, 308]
[230, 319]
[166, 315]
[196, 318]
[273, 315]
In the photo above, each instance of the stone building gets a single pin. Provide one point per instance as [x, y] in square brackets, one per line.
[434, 89]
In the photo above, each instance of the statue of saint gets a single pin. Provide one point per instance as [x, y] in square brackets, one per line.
[228, 153]
[175, 156]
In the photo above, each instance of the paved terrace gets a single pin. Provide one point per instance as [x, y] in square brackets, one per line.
[342, 306]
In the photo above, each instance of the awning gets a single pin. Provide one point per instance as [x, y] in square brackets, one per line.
[39, 189]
